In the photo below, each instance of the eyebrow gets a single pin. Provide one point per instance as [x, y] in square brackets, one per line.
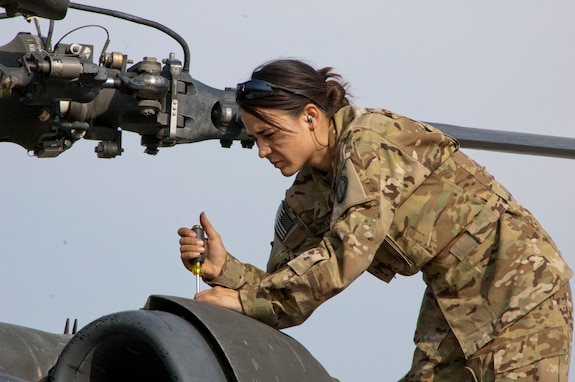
[260, 132]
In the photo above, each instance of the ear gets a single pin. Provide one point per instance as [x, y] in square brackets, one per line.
[311, 113]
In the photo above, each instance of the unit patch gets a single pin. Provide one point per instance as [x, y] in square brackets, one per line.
[341, 189]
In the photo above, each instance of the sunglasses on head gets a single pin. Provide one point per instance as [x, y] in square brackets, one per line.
[253, 89]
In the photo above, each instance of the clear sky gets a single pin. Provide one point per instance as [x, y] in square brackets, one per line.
[81, 237]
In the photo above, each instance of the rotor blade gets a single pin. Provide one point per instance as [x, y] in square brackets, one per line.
[510, 142]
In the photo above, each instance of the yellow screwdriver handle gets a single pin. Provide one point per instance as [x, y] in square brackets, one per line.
[198, 261]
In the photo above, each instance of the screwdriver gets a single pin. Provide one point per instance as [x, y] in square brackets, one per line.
[198, 261]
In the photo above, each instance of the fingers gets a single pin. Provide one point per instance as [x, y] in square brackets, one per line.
[191, 251]
[190, 246]
[227, 298]
[190, 242]
[187, 258]
[185, 231]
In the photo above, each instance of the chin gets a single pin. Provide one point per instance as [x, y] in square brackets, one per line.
[287, 172]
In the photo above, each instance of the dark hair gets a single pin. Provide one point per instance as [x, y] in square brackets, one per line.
[321, 87]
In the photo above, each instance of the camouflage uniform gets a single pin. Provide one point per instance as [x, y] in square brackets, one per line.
[402, 199]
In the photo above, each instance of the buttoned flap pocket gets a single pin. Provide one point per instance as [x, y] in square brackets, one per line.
[481, 227]
[526, 350]
[302, 263]
[470, 251]
[470, 248]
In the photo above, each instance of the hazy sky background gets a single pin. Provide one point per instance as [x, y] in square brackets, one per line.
[82, 237]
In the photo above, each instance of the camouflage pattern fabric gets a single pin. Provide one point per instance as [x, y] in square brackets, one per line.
[535, 348]
[402, 199]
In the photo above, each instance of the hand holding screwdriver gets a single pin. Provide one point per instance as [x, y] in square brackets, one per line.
[215, 255]
[211, 251]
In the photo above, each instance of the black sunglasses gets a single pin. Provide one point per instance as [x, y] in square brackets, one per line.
[253, 89]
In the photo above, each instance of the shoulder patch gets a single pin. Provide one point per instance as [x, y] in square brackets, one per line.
[283, 223]
[348, 191]
[341, 189]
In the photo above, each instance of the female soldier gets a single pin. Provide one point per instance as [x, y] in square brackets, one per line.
[380, 192]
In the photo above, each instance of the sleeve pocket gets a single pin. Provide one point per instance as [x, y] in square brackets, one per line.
[302, 263]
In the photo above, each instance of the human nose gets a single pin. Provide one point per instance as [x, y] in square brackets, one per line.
[263, 149]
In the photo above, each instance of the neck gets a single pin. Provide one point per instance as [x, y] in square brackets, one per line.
[322, 158]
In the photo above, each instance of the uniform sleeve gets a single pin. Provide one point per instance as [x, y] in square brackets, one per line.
[370, 179]
[237, 275]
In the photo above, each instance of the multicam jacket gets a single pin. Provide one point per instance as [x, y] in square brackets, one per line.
[402, 199]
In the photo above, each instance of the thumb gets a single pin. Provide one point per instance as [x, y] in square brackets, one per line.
[208, 227]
